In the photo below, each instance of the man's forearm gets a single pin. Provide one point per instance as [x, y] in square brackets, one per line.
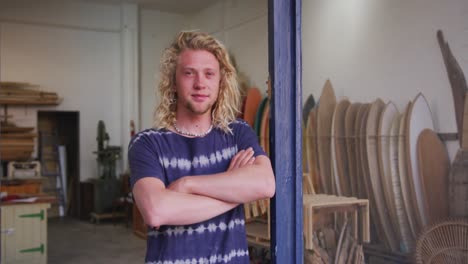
[241, 185]
[167, 207]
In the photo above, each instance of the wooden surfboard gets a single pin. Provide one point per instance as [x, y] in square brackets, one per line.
[375, 187]
[357, 155]
[350, 120]
[393, 160]
[308, 106]
[389, 113]
[258, 116]
[419, 118]
[403, 173]
[324, 122]
[340, 158]
[363, 179]
[252, 101]
[312, 156]
[265, 128]
[434, 168]
[307, 186]
[306, 109]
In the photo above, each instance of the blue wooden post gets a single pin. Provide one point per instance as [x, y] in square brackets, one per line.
[285, 66]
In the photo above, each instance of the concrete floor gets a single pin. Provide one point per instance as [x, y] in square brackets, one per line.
[73, 241]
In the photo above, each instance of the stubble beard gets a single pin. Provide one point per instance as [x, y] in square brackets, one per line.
[196, 111]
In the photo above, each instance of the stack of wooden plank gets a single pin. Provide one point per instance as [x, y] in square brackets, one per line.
[16, 143]
[13, 93]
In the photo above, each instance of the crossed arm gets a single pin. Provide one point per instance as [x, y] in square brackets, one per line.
[193, 199]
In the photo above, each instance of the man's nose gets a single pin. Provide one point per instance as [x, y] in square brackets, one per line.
[200, 81]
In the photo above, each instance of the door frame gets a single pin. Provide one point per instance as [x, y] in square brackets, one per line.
[285, 69]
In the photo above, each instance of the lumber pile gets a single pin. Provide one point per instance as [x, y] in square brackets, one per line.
[13, 93]
[16, 143]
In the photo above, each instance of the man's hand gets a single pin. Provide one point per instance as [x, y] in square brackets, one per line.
[241, 159]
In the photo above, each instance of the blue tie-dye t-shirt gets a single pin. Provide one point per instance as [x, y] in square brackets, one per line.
[168, 156]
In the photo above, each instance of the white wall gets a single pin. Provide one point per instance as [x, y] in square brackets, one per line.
[242, 25]
[385, 49]
[72, 48]
[157, 31]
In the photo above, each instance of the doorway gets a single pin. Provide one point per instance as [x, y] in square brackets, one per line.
[62, 128]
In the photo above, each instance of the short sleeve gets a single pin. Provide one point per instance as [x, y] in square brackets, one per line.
[144, 160]
[246, 138]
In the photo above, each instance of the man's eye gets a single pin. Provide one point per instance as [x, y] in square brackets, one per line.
[188, 73]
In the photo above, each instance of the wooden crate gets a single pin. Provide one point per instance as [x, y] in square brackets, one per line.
[319, 208]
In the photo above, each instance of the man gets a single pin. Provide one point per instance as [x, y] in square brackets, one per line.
[194, 170]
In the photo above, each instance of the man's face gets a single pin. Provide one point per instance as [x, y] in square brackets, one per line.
[197, 81]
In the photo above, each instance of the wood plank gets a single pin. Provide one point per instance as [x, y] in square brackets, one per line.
[12, 101]
[15, 129]
[17, 135]
[14, 85]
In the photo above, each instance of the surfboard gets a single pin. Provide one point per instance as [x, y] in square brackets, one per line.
[389, 113]
[364, 184]
[252, 101]
[340, 158]
[403, 173]
[393, 160]
[308, 106]
[312, 156]
[434, 168]
[258, 116]
[374, 177]
[363, 153]
[419, 118]
[357, 155]
[265, 129]
[350, 120]
[324, 122]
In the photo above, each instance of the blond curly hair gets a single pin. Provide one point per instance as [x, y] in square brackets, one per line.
[225, 109]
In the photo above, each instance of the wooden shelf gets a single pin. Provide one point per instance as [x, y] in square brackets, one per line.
[6, 101]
